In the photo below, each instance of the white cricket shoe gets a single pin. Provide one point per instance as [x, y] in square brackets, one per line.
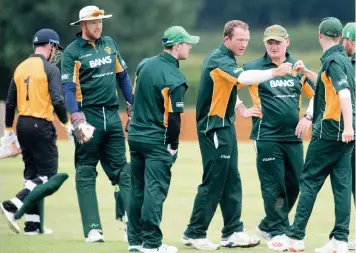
[328, 247]
[284, 243]
[265, 235]
[46, 231]
[10, 219]
[164, 248]
[341, 246]
[125, 232]
[333, 246]
[352, 245]
[94, 236]
[135, 248]
[200, 244]
[240, 239]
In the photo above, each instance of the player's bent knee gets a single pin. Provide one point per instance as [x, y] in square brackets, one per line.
[85, 173]
[40, 188]
[122, 174]
[125, 175]
[31, 184]
[124, 178]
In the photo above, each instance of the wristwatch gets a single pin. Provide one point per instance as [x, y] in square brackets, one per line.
[308, 116]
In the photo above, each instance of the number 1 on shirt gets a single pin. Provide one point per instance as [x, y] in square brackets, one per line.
[27, 81]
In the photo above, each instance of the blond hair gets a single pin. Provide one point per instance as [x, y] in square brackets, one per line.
[231, 25]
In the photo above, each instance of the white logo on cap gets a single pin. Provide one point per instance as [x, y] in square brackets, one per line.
[36, 39]
[348, 34]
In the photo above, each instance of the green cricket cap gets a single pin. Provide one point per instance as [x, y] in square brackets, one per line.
[177, 34]
[349, 31]
[275, 32]
[330, 27]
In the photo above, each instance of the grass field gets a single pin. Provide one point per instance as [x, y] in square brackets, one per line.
[62, 212]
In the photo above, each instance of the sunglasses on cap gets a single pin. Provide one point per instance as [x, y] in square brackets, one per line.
[96, 14]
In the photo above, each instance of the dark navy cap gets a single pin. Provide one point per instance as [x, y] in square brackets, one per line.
[44, 36]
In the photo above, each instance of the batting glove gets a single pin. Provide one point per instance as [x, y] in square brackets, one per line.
[82, 130]
[9, 133]
[10, 138]
[9, 144]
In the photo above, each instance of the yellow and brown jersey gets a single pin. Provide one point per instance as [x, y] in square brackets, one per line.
[279, 100]
[217, 91]
[36, 90]
[336, 73]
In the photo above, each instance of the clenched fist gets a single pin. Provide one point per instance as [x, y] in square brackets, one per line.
[283, 70]
[300, 67]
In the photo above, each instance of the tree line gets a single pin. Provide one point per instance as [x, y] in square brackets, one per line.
[139, 25]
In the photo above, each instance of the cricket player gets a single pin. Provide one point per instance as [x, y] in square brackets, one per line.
[154, 138]
[91, 69]
[36, 91]
[277, 134]
[348, 41]
[332, 143]
[221, 184]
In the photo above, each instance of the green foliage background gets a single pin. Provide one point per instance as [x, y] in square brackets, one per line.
[138, 25]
